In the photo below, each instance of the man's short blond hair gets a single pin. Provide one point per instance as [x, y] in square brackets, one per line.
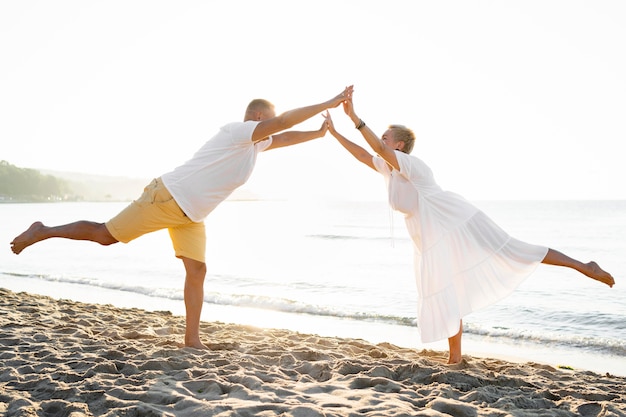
[259, 105]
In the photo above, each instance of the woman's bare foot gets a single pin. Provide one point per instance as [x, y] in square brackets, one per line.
[31, 235]
[453, 359]
[196, 344]
[594, 271]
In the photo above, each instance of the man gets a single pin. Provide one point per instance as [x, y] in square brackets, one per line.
[181, 199]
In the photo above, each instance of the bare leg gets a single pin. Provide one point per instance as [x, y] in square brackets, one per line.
[591, 269]
[194, 298]
[454, 343]
[80, 230]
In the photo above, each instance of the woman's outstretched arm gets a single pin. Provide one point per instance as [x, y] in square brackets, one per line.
[380, 147]
[358, 152]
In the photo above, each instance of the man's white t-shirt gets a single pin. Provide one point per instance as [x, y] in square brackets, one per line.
[221, 165]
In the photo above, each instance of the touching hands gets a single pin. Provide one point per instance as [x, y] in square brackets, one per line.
[345, 98]
[341, 98]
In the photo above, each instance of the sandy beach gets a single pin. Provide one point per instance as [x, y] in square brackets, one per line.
[65, 358]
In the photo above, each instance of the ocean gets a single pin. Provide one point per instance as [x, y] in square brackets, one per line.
[344, 269]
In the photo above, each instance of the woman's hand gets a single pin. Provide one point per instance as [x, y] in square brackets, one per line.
[328, 121]
[348, 108]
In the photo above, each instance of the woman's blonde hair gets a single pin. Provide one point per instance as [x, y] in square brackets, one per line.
[404, 134]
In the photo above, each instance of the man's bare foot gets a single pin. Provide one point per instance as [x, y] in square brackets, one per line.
[30, 236]
[594, 271]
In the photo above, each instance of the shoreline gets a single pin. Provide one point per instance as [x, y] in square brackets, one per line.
[372, 332]
[62, 357]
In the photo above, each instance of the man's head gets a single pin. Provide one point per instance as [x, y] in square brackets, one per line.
[259, 109]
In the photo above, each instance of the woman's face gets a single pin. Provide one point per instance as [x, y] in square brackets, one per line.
[389, 140]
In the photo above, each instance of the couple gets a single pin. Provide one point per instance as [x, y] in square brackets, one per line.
[463, 260]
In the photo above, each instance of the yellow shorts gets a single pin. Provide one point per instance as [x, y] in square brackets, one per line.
[156, 209]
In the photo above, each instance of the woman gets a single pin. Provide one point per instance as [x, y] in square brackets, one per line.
[463, 260]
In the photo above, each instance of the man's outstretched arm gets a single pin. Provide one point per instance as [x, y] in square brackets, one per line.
[294, 137]
[291, 118]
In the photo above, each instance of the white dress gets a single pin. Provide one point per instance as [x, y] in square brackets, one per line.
[463, 260]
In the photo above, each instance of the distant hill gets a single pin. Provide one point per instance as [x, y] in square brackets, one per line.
[104, 188]
[91, 187]
[31, 185]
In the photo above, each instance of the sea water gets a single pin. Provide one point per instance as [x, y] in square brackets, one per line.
[344, 269]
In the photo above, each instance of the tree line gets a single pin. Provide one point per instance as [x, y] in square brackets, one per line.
[25, 184]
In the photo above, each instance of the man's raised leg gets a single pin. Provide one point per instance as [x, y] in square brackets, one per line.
[80, 230]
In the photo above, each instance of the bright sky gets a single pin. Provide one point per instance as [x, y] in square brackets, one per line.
[509, 99]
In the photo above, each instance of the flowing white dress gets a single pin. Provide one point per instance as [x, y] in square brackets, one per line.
[463, 260]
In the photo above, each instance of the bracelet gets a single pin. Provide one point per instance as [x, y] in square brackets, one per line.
[360, 125]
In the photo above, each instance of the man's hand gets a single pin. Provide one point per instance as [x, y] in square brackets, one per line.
[341, 98]
[324, 128]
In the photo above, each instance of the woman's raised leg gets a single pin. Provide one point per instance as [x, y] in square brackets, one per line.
[590, 269]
